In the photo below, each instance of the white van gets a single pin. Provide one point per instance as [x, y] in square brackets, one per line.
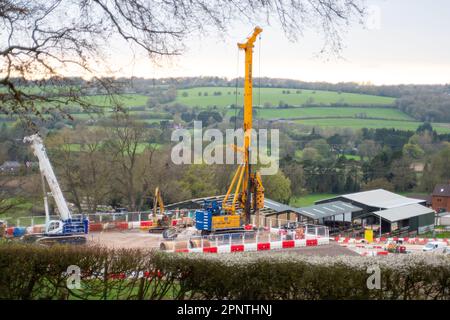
[435, 246]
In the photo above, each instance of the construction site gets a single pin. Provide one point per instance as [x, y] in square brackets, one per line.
[371, 223]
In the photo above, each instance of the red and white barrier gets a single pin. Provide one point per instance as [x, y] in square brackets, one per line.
[261, 246]
[420, 241]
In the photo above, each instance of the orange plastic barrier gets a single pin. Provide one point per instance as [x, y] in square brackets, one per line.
[95, 227]
[122, 225]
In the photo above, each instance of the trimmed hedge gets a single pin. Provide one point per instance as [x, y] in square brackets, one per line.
[30, 272]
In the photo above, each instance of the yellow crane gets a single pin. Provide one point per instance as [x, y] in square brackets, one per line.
[244, 182]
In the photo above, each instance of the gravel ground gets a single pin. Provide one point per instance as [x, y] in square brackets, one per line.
[125, 239]
[143, 239]
[330, 250]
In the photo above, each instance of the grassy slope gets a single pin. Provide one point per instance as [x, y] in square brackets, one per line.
[275, 95]
[385, 113]
[309, 199]
[370, 123]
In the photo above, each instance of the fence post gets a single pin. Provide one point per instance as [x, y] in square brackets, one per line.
[139, 217]
[101, 217]
[270, 224]
[18, 222]
[316, 231]
[32, 221]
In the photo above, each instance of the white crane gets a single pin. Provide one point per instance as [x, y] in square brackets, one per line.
[67, 225]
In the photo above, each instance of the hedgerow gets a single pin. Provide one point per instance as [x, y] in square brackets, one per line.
[32, 272]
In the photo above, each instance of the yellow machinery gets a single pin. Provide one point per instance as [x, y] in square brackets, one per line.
[244, 182]
[163, 223]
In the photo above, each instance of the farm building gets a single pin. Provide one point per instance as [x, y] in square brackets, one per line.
[443, 219]
[441, 198]
[404, 219]
[374, 200]
[398, 214]
[10, 167]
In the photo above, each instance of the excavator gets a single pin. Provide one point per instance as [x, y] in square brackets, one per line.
[246, 188]
[164, 224]
[159, 225]
[67, 230]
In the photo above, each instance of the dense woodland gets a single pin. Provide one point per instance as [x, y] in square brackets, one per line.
[120, 161]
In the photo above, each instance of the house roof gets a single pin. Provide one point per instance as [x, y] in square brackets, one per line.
[404, 212]
[328, 209]
[442, 190]
[380, 198]
[10, 164]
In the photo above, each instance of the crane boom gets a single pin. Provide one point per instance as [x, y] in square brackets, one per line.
[244, 182]
[47, 172]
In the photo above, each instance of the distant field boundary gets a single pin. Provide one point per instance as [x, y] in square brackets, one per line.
[342, 117]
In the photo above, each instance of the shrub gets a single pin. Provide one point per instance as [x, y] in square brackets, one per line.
[31, 272]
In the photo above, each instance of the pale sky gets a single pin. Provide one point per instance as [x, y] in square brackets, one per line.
[405, 41]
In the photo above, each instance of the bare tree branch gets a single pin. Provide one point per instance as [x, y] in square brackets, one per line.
[43, 39]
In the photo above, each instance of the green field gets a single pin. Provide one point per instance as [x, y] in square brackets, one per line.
[123, 100]
[352, 157]
[274, 96]
[323, 112]
[370, 123]
[308, 200]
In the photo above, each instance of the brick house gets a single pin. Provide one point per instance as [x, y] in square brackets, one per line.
[440, 200]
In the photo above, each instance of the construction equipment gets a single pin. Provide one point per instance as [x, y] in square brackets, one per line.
[163, 223]
[68, 229]
[395, 247]
[246, 187]
[213, 219]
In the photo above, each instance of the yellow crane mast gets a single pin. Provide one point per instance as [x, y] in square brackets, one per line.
[244, 182]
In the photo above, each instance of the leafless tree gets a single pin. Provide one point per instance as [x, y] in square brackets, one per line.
[43, 41]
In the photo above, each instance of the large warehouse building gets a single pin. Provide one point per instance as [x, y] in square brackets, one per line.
[398, 214]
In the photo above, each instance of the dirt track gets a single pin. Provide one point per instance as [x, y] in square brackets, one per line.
[142, 239]
[125, 239]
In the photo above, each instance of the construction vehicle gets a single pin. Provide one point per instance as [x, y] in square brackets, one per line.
[163, 223]
[246, 186]
[68, 229]
[212, 219]
[395, 247]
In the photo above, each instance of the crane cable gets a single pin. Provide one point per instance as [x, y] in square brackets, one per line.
[236, 89]
[259, 78]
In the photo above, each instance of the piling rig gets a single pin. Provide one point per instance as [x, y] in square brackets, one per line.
[246, 186]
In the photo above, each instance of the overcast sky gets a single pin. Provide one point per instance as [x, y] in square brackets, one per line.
[404, 41]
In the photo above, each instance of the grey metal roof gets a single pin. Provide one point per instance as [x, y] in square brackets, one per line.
[328, 209]
[380, 198]
[277, 206]
[270, 206]
[442, 190]
[405, 212]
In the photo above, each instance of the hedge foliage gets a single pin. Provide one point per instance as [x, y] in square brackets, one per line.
[29, 272]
